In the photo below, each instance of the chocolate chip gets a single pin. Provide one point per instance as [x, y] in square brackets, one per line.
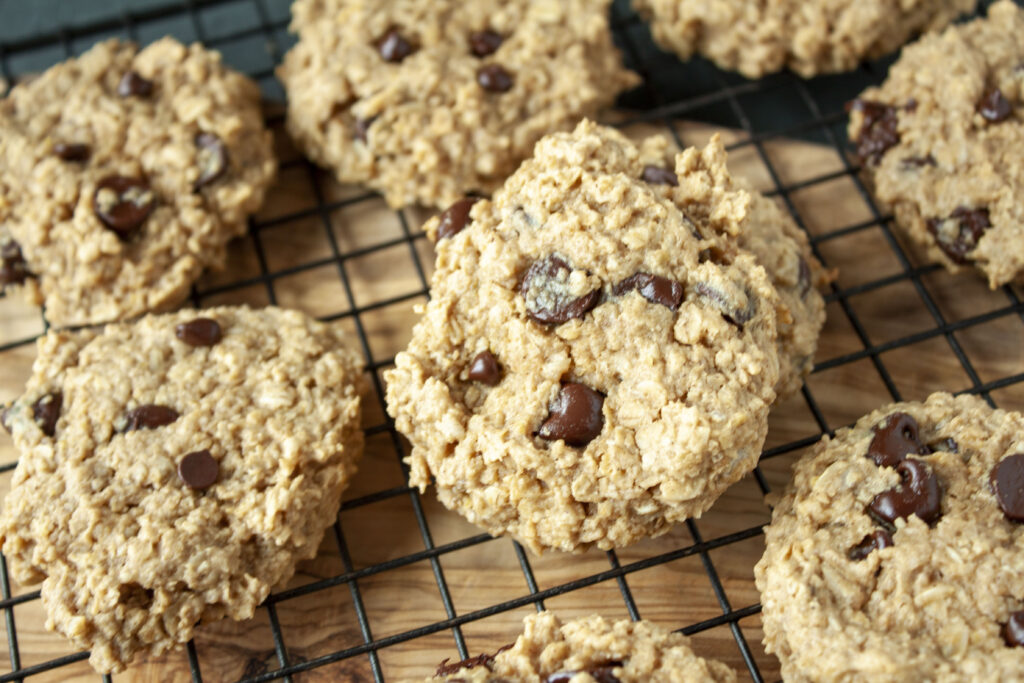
[1013, 630]
[994, 107]
[804, 277]
[918, 162]
[654, 288]
[72, 151]
[482, 660]
[1007, 480]
[602, 673]
[46, 410]
[728, 306]
[149, 416]
[895, 437]
[455, 218]
[546, 290]
[494, 78]
[958, 235]
[659, 175]
[876, 540]
[575, 417]
[123, 204]
[134, 85]
[212, 158]
[198, 470]
[917, 494]
[393, 47]
[485, 369]
[13, 268]
[485, 43]
[363, 127]
[199, 332]
[878, 132]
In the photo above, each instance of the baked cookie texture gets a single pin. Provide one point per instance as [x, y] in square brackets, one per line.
[785, 252]
[909, 569]
[939, 140]
[428, 101]
[809, 37]
[592, 366]
[173, 470]
[123, 174]
[589, 649]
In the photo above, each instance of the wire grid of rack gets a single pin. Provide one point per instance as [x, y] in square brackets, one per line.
[252, 34]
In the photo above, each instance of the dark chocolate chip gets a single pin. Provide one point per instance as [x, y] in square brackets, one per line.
[994, 107]
[494, 78]
[895, 437]
[970, 225]
[654, 288]
[804, 277]
[1007, 480]
[212, 157]
[393, 47]
[72, 151]
[198, 470]
[1013, 630]
[362, 127]
[455, 218]
[484, 660]
[46, 410]
[876, 540]
[149, 416]
[123, 204]
[602, 673]
[576, 416]
[729, 308]
[659, 175]
[13, 268]
[199, 332]
[134, 85]
[485, 369]
[544, 287]
[917, 494]
[878, 132]
[485, 43]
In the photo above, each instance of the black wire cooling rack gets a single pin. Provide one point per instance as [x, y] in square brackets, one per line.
[253, 36]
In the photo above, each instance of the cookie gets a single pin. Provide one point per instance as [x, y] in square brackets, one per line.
[897, 552]
[175, 469]
[123, 174]
[939, 140]
[552, 651]
[429, 101]
[592, 367]
[809, 37]
[785, 252]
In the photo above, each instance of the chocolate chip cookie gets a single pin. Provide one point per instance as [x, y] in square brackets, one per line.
[175, 469]
[429, 101]
[550, 651]
[897, 553]
[123, 173]
[940, 137]
[808, 36]
[596, 362]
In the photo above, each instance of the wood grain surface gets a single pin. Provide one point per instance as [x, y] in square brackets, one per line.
[898, 344]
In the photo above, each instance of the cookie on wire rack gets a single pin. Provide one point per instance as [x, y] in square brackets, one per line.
[123, 174]
[175, 469]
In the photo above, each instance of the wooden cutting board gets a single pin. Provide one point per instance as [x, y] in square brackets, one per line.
[892, 318]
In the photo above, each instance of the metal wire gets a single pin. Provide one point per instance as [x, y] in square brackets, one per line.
[726, 96]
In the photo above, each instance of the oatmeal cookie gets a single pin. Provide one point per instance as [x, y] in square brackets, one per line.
[592, 367]
[175, 469]
[429, 101]
[589, 649]
[940, 137]
[123, 173]
[808, 36]
[897, 553]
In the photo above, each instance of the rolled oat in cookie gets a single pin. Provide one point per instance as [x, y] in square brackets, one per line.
[588, 649]
[429, 101]
[897, 552]
[939, 140]
[175, 469]
[598, 356]
[123, 174]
